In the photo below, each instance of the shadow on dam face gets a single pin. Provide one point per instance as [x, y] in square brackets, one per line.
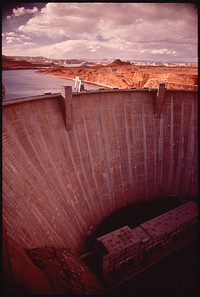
[70, 163]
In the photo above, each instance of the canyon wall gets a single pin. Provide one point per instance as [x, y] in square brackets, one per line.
[59, 182]
[45, 271]
[20, 275]
[124, 75]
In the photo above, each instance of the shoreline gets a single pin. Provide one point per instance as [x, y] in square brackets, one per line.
[59, 74]
[84, 81]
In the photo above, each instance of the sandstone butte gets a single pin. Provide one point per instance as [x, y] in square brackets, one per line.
[121, 75]
[117, 74]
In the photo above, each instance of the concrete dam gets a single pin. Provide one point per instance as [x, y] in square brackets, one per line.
[72, 159]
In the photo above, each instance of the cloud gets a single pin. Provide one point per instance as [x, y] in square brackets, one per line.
[12, 37]
[163, 51]
[22, 11]
[9, 34]
[59, 19]
[110, 29]
[73, 48]
[28, 43]
[135, 22]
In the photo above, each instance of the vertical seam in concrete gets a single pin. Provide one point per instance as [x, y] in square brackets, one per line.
[61, 183]
[180, 151]
[155, 155]
[159, 136]
[133, 180]
[144, 147]
[79, 225]
[32, 210]
[88, 146]
[112, 177]
[128, 150]
[161, 139]
[108, 179]
[107, 158]
[118, 150]
[190, 151]
[83, 172]
[171, 161]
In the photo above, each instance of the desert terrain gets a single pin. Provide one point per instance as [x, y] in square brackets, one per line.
[117, 74]
[9, 63]
[120, 74]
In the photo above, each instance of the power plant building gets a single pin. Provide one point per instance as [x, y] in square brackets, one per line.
[124, 247]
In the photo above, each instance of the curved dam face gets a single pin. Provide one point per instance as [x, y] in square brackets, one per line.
[69, 164]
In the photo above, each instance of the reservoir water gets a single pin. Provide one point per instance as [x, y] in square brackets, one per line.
[26, 83]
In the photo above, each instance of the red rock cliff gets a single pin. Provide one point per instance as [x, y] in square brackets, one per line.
[124, 75]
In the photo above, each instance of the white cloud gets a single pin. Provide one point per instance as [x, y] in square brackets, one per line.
[28, 43]
[60, 19]
[22, 11]
[10, 39]
[24, 37]
[163, 51]
[125, 21]
[9, 34]
[108, 29]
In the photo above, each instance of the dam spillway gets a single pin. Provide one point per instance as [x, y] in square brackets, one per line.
[68, 166]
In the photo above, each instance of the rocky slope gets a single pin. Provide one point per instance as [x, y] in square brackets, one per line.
[20, 275]
[14, 63]
[120, 74]
[45, 271]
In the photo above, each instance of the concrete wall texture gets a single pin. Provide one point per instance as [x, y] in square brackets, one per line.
[58, 182]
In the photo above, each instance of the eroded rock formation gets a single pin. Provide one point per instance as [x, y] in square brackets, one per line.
[20, 275]
[45, 271]
[9, 63]
[125, 75]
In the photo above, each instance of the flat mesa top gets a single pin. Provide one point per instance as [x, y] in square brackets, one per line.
[171, 220]
[119, 239]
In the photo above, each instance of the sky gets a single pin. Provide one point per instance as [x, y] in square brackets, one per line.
[100, 30]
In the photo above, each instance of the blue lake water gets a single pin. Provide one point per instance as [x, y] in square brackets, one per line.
[25, 83]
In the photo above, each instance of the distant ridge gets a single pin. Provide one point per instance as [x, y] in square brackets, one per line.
[9, 62]
[118, 62]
